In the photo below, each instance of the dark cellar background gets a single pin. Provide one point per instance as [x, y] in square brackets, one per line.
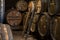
[11, 4]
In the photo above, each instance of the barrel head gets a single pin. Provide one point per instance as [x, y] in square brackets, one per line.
[42, 25]
[21, 5]
[52, 6]
[14, 17]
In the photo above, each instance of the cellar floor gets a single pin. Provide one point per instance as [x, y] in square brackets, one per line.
[17, 35]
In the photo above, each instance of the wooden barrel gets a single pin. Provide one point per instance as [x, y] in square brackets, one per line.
[40, 5]
[55, 28]
[43, 25]
[34, 22]
[6, 32]
[21, 5]
[14, 17]
[31, 8]
[36, 5]
[54, 7]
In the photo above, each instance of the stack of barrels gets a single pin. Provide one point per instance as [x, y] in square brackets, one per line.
[46, 17]
[14, 16]
[55, 19]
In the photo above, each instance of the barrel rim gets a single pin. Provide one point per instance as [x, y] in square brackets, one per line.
[39, 28]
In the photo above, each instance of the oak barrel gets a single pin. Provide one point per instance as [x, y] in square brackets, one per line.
[43, 25]
[21, 5]
[54, 6]
[14, 17]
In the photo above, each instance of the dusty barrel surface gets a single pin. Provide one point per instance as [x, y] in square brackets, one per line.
[21, 5]
[14, 17]
[55, 28]
[43, 25]
[6, 32]
[54, 6]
